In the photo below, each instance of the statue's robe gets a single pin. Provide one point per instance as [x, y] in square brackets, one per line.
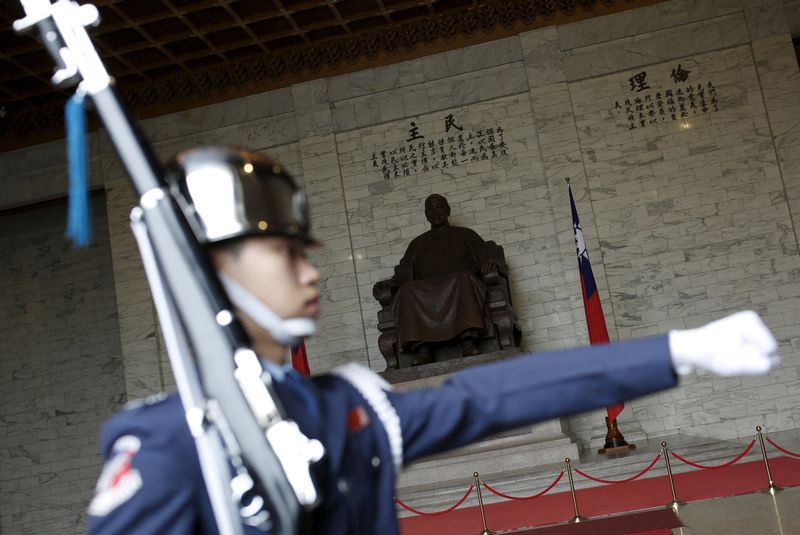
[440, 293]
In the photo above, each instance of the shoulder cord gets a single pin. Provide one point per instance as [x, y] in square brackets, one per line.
[373, 388]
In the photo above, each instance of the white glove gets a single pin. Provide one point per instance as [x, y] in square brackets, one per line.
[739, 344]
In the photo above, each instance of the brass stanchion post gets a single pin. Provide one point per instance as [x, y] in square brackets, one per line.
[665, 452]
[486, 530]
[577, 518]
[772, 488]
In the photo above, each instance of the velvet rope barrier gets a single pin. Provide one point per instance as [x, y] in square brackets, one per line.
[787, 452]
[596, 479]
[542, 493]
[459, 502]
[611, 482]
[733, 461]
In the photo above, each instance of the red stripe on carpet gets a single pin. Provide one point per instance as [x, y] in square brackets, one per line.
[654, 521]
[743, 478]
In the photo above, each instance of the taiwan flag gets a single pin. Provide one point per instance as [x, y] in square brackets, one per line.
[595, 320]
[300, 359]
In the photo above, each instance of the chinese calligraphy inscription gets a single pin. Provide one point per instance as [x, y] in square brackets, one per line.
[671, 104]
[457, 146]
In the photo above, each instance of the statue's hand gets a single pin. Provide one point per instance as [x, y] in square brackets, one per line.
[487, 266]
[388, 284]
[739, 344]
[383, 289]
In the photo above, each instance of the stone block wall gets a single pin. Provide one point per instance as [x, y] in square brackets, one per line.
[695, 217]
[61, 368]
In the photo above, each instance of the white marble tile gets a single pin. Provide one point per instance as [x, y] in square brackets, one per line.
[343, 116]
[416, 101]
[542, 57]
[765, 18]
[309, 94]
[339, 87]
[367, 112]
[387, 77]
[362, 82]
[411, 72]
[315, 121]
[391, 108]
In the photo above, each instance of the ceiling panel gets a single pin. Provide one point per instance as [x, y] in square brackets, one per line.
[188, 51]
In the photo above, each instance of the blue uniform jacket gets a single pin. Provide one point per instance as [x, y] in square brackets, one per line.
[152, 482]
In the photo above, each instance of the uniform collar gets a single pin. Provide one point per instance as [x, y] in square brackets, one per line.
[277, 371]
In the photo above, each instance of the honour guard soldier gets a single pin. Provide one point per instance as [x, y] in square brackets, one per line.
[255, 225]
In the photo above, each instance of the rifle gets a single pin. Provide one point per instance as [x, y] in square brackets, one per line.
[232, 410]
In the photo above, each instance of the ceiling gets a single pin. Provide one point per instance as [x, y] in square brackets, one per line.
[168, 55]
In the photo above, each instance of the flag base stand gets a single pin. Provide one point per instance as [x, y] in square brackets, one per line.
[615, 442]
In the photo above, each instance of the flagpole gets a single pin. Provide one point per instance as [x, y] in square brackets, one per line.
[596, 325]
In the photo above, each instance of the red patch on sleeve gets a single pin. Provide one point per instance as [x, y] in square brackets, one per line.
[357, 419]
[119, 481]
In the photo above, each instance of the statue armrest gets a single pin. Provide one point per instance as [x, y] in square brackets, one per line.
[495, 255]
[495, 278]
[384, 291]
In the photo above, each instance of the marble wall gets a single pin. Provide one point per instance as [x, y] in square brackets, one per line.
[686, 219]
[694, 217]
[61, 368]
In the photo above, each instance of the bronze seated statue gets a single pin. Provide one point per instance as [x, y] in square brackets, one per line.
[448, 297]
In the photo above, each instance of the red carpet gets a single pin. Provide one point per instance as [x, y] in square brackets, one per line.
[743, 478]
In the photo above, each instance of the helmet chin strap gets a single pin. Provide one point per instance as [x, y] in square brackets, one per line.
[288, 332]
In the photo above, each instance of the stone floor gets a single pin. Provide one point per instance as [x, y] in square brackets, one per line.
[761, 513]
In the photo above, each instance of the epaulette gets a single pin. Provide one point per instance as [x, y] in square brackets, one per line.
[152, 399]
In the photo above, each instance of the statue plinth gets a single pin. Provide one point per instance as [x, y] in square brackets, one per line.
[427, 375]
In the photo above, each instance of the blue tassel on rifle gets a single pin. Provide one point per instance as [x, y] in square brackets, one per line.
[79, 228]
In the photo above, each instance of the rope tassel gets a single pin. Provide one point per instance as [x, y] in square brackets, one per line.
[79, 228]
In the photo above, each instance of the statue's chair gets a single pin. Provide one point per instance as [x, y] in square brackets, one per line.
[500, 331]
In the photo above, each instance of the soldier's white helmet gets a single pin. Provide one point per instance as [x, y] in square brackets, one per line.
[228, 192]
